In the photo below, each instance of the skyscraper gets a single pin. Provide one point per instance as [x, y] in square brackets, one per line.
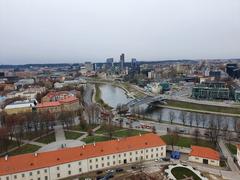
[122, 61]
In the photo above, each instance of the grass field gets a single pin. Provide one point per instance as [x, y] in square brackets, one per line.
[47, 139]
[232, 148]
[11, 145]
[72, 135]
[79, 128]
[28, 148]
[193, 106]
[182, 173]
[91, 139]
[187, 142]
[128, 132]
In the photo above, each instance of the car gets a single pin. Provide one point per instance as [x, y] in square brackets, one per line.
[166, 159]
[99, 172]
[110, 171]
[119, 170]
[134, 167]
[156, 160]
[99, 177]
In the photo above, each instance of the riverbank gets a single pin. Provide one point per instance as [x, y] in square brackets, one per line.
[209, 109]
[98, 98]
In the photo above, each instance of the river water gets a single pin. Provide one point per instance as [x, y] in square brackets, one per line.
[114, 95]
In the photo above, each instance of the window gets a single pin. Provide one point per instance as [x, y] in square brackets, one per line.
[39, 178]
[136, 152]
[113, 156]
[130, 153]
[146, 156]
[157, 155]
[91, 167]
[161, 148]
[113, 162]
[146, 150]
[15, 176]
[196, 158]
[69, 165]
[90, 160]
[151, 155]
[102, 158]
[102, 164]
[96, 159]
[38, 172]
[130, 159]
[23, 175]
[30, 174]
[108, 157]
[156, 149]
[152, 150]
[69, 172]
[96, 166]
[212, 161]
[108, 163]
[7, 178]
[124, 154]
[46, 178]
[142, 157]
[161, 154]
[58, 175]
[141, 151]
[45, 170]
[79, 163]
[119, 161]
[80, 169]
[119, 155]
[136, 158]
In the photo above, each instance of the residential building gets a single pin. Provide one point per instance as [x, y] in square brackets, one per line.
[68, 162]
[21, 106]
[56, 95]
[68, 103]
[204, 155]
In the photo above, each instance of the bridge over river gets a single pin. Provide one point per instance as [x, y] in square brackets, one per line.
[151, 100]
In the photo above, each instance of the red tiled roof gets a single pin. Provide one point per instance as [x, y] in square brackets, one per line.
[27, 162]
[48, 104]
[68, 99]
[204, 152]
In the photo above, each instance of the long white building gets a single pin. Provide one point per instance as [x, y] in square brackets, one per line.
[69, 162]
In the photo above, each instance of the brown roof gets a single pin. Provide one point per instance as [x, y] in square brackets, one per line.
[27, 162]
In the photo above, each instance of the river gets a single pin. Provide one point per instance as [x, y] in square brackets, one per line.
[114, 95]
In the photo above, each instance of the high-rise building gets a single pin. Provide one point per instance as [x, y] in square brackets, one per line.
[122, 61]
[109, 60]
[88, 66]
[134, 63]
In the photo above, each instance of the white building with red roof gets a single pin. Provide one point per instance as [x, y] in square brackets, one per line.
[204, 155]
[238, 154]
[70, 162]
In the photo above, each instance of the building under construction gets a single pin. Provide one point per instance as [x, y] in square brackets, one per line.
[211, 90]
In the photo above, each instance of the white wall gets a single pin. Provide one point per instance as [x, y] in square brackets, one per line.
[200, 160]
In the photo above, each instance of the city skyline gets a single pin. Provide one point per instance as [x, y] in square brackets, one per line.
[79, 31]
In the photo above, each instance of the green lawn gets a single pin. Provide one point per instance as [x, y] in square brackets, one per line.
[194, 106]
[187, 142]
[28, 148]
[79, 128]
[182, 173]
[232, 148]
[11, 145]
[128, 132]
[47, 139]
[104, 129]
[72, 135]
[91, 139]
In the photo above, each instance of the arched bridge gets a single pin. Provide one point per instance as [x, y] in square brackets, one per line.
[146, 100]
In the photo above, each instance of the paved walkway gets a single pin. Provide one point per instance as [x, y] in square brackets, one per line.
[229, 157]
[59, 133]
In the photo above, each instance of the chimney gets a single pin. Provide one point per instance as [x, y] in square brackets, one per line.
[118, 139]
[94, 144]
[6, 157]
[35, 154]
[140, 134]
[83, 146]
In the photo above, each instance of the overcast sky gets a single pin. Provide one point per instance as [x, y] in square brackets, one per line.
[50, 31]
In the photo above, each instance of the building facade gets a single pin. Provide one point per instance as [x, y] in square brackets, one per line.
[70, 162]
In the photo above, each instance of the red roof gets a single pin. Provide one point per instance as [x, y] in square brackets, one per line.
[68, 99]
[48, 104]
[204, 152]
[27, 162]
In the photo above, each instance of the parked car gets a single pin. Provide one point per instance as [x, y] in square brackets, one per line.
[119, 169]
[166, 159]
[134, 167]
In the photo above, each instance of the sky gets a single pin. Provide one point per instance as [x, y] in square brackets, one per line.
[67, 31]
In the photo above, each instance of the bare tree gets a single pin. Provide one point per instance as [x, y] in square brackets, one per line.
[173, 137]
[197, 119]
[190, 118]
[160, 116]
[171, 116]
[196, 135]
[183, 116]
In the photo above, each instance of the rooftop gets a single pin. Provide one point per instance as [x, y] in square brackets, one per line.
[66, 155]
[48, 104]
[204, 152]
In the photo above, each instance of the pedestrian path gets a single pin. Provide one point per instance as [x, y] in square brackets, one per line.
[59, 133]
